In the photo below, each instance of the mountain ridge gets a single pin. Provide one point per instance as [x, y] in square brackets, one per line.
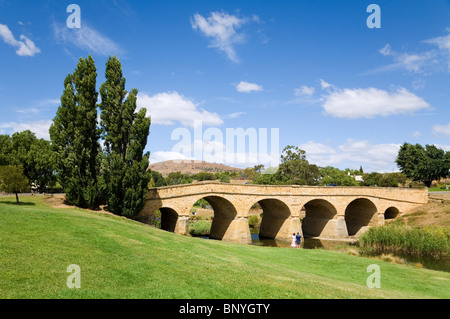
[191, 167]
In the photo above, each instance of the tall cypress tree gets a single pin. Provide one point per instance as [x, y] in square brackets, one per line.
[74, 135]
[124, 165]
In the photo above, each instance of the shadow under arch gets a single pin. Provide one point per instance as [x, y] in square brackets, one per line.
[224, 214]
[391, 213]
[318, 213]
[169, 218]
[275, 213]
[358, 214]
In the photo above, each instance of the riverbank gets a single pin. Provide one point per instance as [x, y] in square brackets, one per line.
[120, 258]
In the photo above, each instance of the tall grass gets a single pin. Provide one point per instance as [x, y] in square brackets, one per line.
[200, 228]
[397, 237]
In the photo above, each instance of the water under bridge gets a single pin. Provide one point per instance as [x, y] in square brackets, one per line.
[313, 211]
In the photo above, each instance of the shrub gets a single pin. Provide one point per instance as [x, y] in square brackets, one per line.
[200, 228]
[156, 221]
[253, 220]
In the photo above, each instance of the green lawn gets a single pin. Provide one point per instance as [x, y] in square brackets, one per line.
[124, 259]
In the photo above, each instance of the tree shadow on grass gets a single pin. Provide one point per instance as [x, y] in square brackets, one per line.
[15, 203]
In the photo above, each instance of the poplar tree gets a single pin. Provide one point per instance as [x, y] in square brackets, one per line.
[124, 130]
[74, 135]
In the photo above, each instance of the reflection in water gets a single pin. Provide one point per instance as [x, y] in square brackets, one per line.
[429, 262]
[307, 243]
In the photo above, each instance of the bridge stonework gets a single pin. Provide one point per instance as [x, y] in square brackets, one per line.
[332, 212]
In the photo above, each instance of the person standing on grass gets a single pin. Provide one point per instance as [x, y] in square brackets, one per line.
[298, 239]
[293, 240]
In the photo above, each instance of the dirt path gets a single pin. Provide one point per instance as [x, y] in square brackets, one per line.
[57, 201]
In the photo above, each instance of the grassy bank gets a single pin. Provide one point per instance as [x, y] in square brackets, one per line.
[398, 237]
[120, 258]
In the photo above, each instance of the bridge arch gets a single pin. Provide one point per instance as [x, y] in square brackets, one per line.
[224, 213]
[391, 213]
[274, 217]
[360, 213]
[318, 214]
[169, 218]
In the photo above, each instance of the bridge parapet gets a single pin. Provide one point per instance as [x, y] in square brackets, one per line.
[413, 195]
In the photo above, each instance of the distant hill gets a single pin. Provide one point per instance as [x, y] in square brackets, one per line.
[191, 167]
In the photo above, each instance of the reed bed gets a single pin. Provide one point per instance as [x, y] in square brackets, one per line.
[398, 237]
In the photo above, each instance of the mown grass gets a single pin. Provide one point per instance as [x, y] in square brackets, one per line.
[120, 258]
[397, 237]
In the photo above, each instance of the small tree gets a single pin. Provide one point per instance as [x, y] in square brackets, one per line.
[12, 180]
[35, 155]
[295, 169]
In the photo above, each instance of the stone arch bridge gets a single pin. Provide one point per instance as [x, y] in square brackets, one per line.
[333, 212]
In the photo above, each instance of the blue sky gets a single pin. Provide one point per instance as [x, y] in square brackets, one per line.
[314, 71]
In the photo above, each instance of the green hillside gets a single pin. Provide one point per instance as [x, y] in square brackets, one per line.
[120, 258]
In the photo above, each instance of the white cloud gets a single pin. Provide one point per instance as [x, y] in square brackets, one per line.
[215, 151]
[371, 102]
[416, 134]
[325, 85]
[352, 154]
[221, 28]
[386, 50]
[25, 47]
[86, 38]
[235, 115]
[443, 42]
[424, 62]
[304, 90]
[442, 130]
[49, 102]
[418, 84]
[247, 87]
[411, 62]
[31, 110]
[169, 107]
[40, 128]
[444, 147]
[317, 148]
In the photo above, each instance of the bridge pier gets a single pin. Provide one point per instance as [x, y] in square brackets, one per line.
[238, 231]
[182, 225]
[273, 230]
[332, 228]
[340, 227]
[336, 228]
